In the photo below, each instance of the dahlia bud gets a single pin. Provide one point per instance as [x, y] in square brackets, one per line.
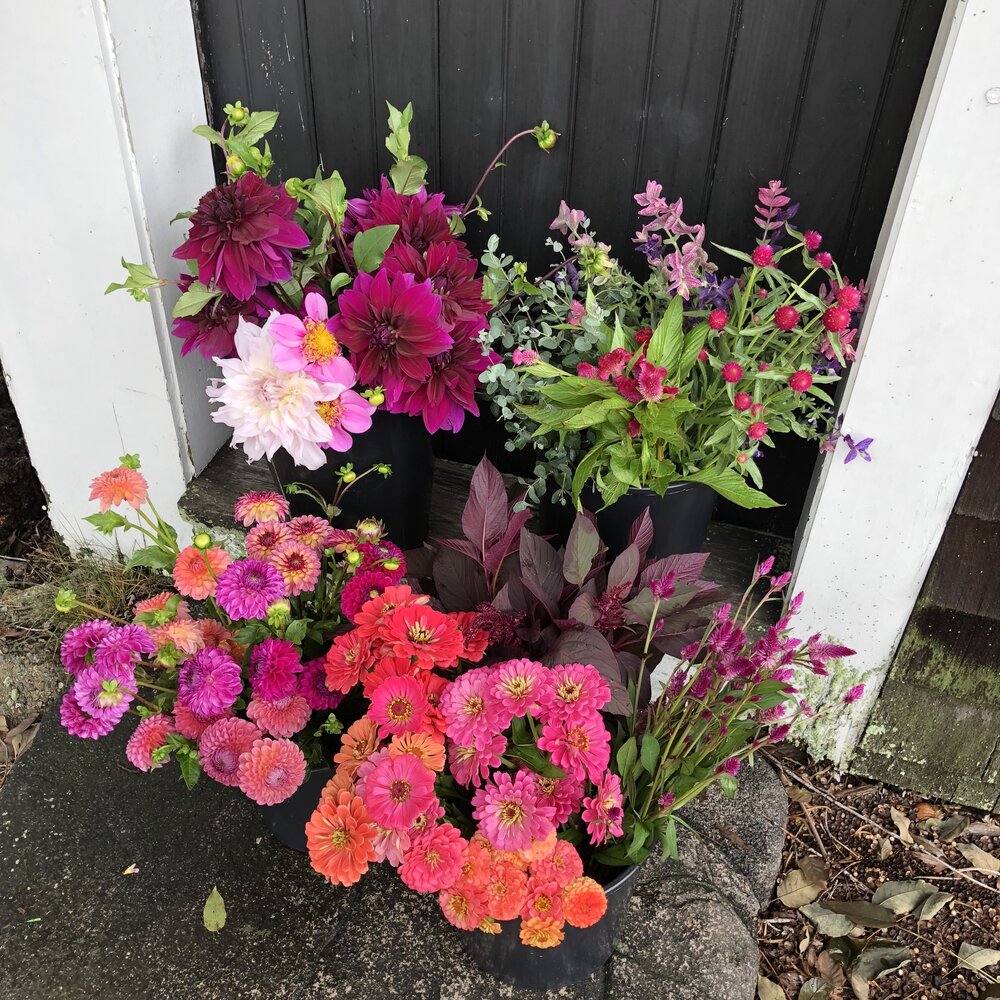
[349, 476]
[384, 470]
[762, 256]
[235, 166]
[202, 541]
[391, 564]
[375, 396]
[353, 558]
[236, 113]
[545, 135]
[370, 529]
[278, 613]
[65, 601]
[786, 317]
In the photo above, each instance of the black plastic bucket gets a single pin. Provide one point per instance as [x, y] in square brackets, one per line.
[582, 953]
[287, 820]
[402, 502]
[680, 517]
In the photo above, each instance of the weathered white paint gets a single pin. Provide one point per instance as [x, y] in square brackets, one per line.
[930, 367]
[91, 376]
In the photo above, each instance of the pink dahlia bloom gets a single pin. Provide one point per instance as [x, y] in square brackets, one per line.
[248, 587]
[360, 589]
[580, 746]
[123, 647]
[309, 345]
[398, 705]
[210, 682]
[297, 564]
[242, 236]
[270, 771]
[603, 811]
[149, 735]
[158, 603]
[472, 714]
[522, 686]
[279, 718]
[266, 407]
[398, 790]
[105, 692]
[222, 744]
[260, 507]
[79, 643]
[509, 812]
[191, 725]
[375, 553]
[76, 721]
[392, 326]
[422, 218]
[579, 691]
[434, 860]
[274, 666]
[471, 765]
[263, 539]
[350, 413]
[316, 532]
[312, 687]
[212, 331]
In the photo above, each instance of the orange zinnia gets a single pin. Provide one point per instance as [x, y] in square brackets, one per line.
[541, 932]
[584, 902]
[121, 485]
[429, 751]
[340, 782]
[196, 572]
[340, 837]
[356, 746]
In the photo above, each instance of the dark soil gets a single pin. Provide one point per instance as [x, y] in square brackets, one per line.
[23, 522]
[846, 824]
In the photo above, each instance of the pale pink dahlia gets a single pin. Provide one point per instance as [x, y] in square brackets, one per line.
[279, 718]
[260, 507]
[248, 587]
[274, 665]
[603, 811]
[149, 735]
[316, 532]
[209, 682]
[79, 643]
[522, 686]
[270, 771]
[398, 790]
[580, 746]
[434, 860]
[222, 744]
[509, 812]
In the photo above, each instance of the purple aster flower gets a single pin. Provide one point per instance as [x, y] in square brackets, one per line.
[248, 587]
[857, 448]
[274, 666]
[312, 687]
[123, 646]
[651, 247]
[79, 723]
[80, 642]
[715, 294]
[209, 682]
[105, 694]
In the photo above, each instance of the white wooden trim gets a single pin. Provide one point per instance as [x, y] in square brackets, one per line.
[929, 365]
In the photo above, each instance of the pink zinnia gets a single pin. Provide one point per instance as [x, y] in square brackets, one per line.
[149, 735]
[434, 860]
[270, 771]
[309, 345]
[260, 507]
[471, 765]
[79, 723]
[274, 665]
[242, 236]
[392, 326]
[350, 413]
[298, 565]
[312, 687]
[509, 813]
[578, 690]
[522, 686]
[79, 643]
[603, 811]
[563, 794]
[398, 790]
[210, 682]
[360, 589]
[221, 745]
[248, 587]
[279, 718]
[105, 692]
[472, 714]
[263, 539]
[398, 705]
[580, 745]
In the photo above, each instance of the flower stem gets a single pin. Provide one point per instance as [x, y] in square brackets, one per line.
[496, 159]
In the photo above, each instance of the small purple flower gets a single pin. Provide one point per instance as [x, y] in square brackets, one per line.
[715, 294]
[209, 682]
[855, 449]
[571, 276]
[248, 587]
[123, 647]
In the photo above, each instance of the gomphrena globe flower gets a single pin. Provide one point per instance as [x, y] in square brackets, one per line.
[242, 236]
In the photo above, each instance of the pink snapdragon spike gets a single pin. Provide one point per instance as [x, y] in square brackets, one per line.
[309, 344]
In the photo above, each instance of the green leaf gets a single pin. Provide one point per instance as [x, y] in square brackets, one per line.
[370, 246]
[408, 176]
[585, 469]
[398, 140]
[140, 279]
[258, 125]
[106, 522]
[816, 988]
[190, 768]
[641, 834]
[194, 299]
[296, 630]
[253, 633]
[626, 757]
[207, 132]
[665, 345]
[730, 484]
[828, 923]
[694, 341]
[153, 557]
[932, 904]
[533, 758]
[330, 194]
[338, 281]
[650, 755]
[668, 837]
[903, 897]
[214, 914]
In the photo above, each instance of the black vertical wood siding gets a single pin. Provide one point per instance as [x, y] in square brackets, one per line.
[710, 97]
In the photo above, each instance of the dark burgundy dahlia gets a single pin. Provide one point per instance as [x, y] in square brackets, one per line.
[212, 332]
[242, 236]
[422, 218]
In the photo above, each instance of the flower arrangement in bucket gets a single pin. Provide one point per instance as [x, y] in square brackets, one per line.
[627, 384]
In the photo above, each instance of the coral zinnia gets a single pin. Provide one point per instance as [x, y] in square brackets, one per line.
[340, 837]
[279, 718]
[149, 735]
[431, 637]
[248, 587]
[260, 507]
[270, 771]
[242, 236]
[397, 706]
[541, 932]
[463, 904]
[429, 750]
[398, 790]
[297, 564]
[561, 866]
[196, 571]
[543, 899]
[309, 345]
[346, 661]
[356, 746]
[121, 485]
[222, 744]
[506, 889]
[375, 614]
[274, 664]
[209, 682]
[392, 325]
[434, 859]
[584, 902]
[509, 813]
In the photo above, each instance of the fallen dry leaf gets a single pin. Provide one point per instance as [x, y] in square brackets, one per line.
[926, 811]
[979, 858]
[902, 825]
[797, 888]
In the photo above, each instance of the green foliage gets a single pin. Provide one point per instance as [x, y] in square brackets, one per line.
[138, 283]
[195, 299]
[409, 173]
[370, 246]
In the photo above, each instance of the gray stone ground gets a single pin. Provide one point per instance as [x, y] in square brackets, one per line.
[74, 815]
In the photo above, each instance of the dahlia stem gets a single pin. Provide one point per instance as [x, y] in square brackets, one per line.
[338, 237]
[496, 159]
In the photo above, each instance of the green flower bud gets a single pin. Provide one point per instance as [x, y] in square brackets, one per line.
[202, 541]
[278, 613]
[349, 476]
[391, 564]
[236, 113]
[376, 398]
[545, 136]
[384, 470]
[353, 558]
[369, 529]
[65, 601]
[235, 166]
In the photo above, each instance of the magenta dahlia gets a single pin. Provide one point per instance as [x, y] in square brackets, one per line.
[274, 666]
[248, 587]
[242, 236]
[422, 218]
[212, 331]
[79, 643]
[209, 682]
[392, 325]
[79, 723]
[312, 687]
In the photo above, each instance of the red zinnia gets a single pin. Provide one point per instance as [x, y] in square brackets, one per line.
[429, 636]
[242, 236]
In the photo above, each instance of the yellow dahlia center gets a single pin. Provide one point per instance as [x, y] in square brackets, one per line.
[319, 344]
[399, 709]
[330, 411]
[570, 691]
[419, 633]
[510, 813]
[399, 790]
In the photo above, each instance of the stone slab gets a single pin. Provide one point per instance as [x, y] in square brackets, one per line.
[74, 815]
